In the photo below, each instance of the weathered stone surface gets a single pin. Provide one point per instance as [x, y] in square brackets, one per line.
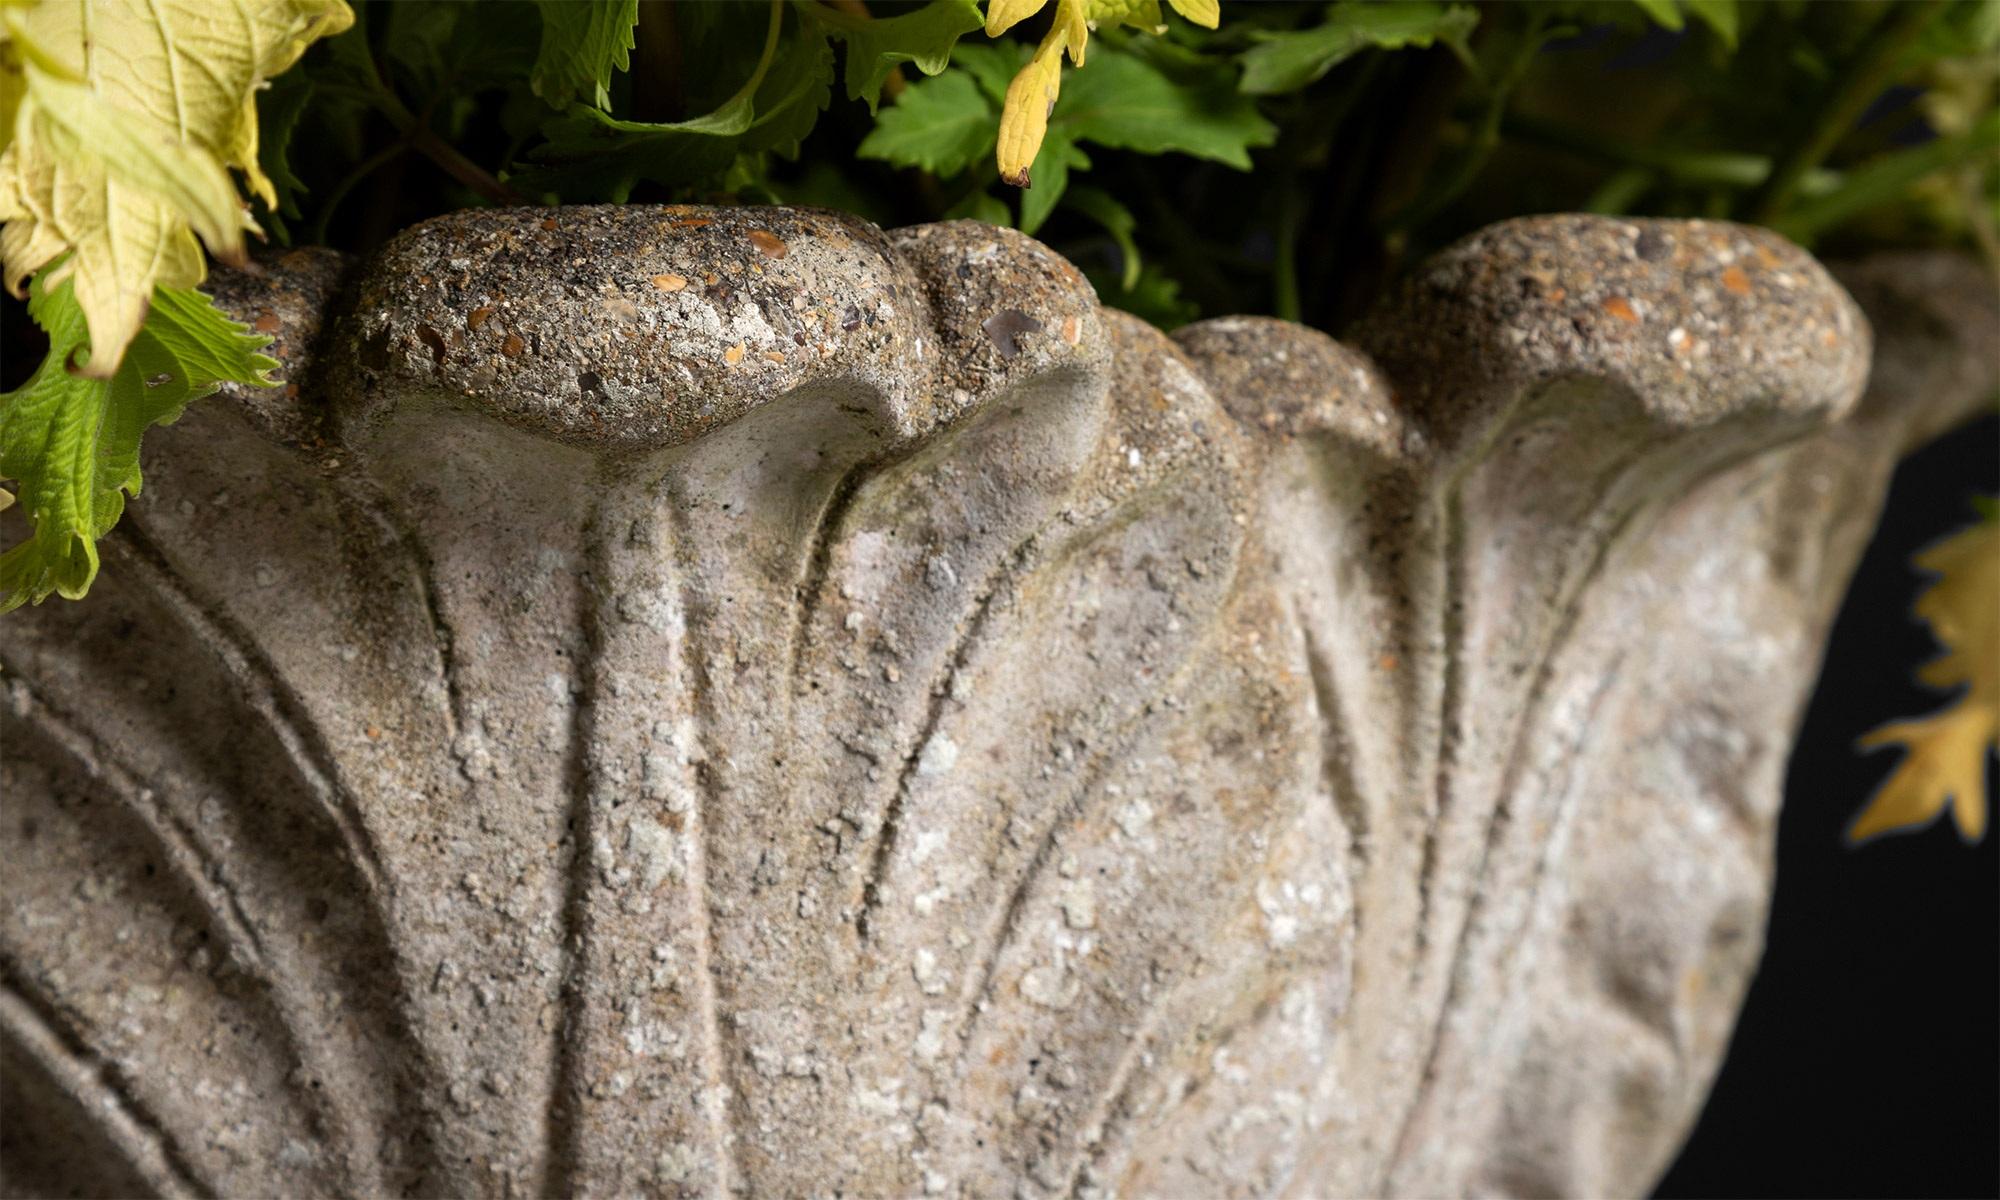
[686, 701]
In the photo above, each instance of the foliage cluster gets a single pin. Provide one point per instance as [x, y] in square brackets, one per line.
[1376, 130]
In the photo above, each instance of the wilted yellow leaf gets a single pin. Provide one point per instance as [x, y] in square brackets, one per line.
[1946, 763]
[1141, 14]
[1205, 13]
[1024, 120]
[129, 115]
[1002, 15]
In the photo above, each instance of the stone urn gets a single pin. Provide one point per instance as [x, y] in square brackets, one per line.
[709, 702]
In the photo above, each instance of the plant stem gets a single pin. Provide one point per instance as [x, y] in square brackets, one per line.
[756, 80]
[1699, 167]
[1485, 139]
[1617, 194]
[417, 135]
[656, 65]
[894, 83]
[1285, 263]
[461, 168]
[1885, 178]
[362, 170]
[1336, 233]
[1867, 73]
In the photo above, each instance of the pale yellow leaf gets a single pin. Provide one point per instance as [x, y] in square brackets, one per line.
[242, 153]
[1946, 759]
[71, 129]
[1945, 764]
[1002, 15]
[1071, 28]
[1025, 119]
[1205, 13]
[131, 113]
[1140, 14]
[13, 89]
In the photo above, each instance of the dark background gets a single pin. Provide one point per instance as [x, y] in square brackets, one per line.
[1867, 1060]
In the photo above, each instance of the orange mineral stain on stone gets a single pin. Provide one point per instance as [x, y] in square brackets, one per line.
[1620, 307]
[549, 223]
[513, 346]
[478, 316]
[1072, 330]
[774, 356]
[733, 355]
[1736, 281]
[668, 283]
[690, 222]
[268, 323]
[768, 243]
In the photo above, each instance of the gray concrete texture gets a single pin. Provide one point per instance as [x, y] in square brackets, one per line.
[701, 702]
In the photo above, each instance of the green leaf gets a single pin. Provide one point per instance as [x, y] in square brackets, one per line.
[1126, 102]
[1664, 13]
[73, 442]
[1286, 62]
[1123, 100]
[1050, 175]
[789, 101]
[822, 184]
[876, 45]
[1721, 16]
[981, 205]
[993, 65]
[279, 108]
[590, 154]
[940, 125]
[1153, 297]
[583, 41]
[1888, 177]
[1969, 27]
[439, 55]
[1103, 208]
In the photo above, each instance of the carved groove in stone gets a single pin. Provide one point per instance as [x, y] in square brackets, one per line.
[870, 721]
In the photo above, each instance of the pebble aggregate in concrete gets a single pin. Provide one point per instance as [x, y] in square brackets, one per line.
[689, 701]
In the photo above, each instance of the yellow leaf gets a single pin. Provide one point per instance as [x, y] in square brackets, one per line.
[1205, 13]
[1946, 762]
[1031, 97]
[13, 89]
[130, 115]
[1002, 15]
[1140, 14]
[1025, 119]
[1072, 28]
